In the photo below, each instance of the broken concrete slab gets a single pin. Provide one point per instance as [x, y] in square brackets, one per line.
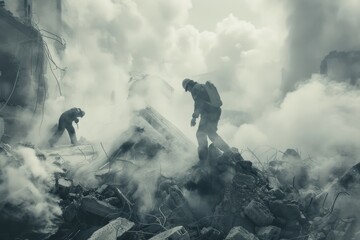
[102, 188]
[269, 233]
[100, 208]
[334, 225]
[63, 187]
[210, 233]
[259, 213]
[246, 165]
[176, 233]
[240, 233]
[227, 217]
[244, 180]
[64, 183]
[112, 230]
[288, 211]
[234, 154]
[291, 230]
[113, 201]
[274, 182]
[277, 193]
[70, 212]
[177, 207]
[232, 159]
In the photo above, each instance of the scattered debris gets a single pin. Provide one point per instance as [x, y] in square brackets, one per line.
[239, 200]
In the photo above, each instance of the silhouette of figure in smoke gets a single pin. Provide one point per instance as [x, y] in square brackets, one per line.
[208, 107]
[65, 122]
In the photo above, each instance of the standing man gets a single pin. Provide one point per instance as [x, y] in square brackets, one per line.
[208, 107]
[65, 122]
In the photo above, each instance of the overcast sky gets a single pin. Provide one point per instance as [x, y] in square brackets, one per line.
[205, 14]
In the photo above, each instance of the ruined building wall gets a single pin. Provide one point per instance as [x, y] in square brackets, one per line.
[342, 67]
[22, 82]
[49, 14]
[20, 8]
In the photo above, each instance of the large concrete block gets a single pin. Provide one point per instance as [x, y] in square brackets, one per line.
[112, 230]
[244, 180]
[63, 187]
[100, 208]
[269, 233]
[259, 213]
[176, 233]
[240, 233]
[288, 211]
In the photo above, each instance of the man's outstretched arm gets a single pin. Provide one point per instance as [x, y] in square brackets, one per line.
[197, 105]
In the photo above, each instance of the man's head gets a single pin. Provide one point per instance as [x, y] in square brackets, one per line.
[188, 84]
[81, 113]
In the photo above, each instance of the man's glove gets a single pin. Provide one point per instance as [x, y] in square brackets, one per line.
[193, 122]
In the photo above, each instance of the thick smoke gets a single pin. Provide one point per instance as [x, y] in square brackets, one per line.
[242, 54]
[319, 119]
[25, 185]
[107, 40]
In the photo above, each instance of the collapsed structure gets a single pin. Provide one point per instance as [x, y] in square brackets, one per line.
[229, 199]
[129, 193]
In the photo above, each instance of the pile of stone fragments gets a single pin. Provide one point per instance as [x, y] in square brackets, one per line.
[243, 203]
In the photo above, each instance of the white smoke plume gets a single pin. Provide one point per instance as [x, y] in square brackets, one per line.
[25, 185]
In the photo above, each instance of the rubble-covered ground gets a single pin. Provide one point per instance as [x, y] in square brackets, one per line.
[50, 194]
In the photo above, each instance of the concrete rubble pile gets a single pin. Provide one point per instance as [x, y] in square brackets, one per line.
[234, 200]
[242, 203]
[226, 197]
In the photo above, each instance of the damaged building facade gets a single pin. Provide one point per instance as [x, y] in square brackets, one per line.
[242, 201]
[23, 67]
[342, 67]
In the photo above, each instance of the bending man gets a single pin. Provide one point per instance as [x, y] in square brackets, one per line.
[65, 122]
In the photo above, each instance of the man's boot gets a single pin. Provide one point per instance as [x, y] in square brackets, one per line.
[233, 154]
